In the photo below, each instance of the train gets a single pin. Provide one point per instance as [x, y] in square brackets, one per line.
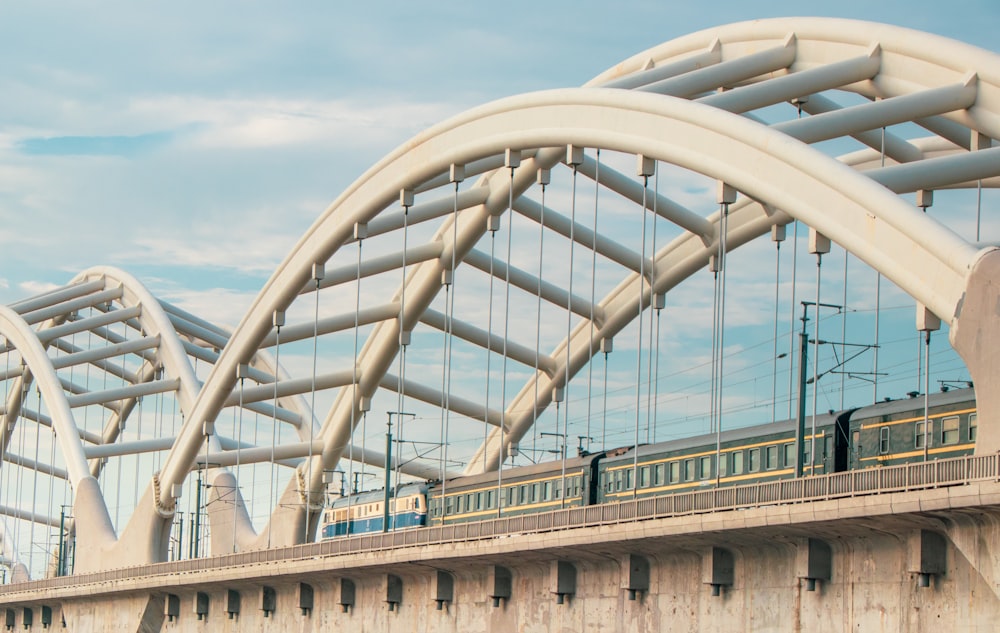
[886, 433]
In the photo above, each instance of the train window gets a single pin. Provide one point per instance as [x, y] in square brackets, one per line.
[470, 501]
[688, 470]
[828, 446]
[511, 496]
[644, 477]
[754, 459]
[534, 493]
[883, 440]
[771, 455]
[489, 498]
[789, 450]
[675, 472]
[618, 480]
[479, 501]
[628, 479]
[658, 475]
[737, 462]
[973, 423]
[706, 467]
[522, 497]
[949, 430]
[918, 433]
[807, 447]
[546, 491]
[723, 464]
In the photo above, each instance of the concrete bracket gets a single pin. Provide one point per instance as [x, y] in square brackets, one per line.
[347, 592]
[232, 603]
[501, 582]
[718, 569]
[201, 605]
[635, 575]
[445, 590]
[927, 555]
[172, 607]
[305, 598]
[813, 562]
[268, 600]
[562, 576]
[393, 591]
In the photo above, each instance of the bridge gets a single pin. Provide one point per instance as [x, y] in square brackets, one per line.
[497, 287]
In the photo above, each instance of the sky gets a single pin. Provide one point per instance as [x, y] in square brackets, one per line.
[192, 144]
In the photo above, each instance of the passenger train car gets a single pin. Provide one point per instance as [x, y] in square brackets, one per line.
[886, 433]
[365, 512]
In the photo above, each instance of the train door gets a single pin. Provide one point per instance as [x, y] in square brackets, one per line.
[842, 441]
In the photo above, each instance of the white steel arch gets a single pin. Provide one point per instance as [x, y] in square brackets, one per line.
[708, 102]
[947, 90]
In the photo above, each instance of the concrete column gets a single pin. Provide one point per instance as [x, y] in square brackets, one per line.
[975, 335]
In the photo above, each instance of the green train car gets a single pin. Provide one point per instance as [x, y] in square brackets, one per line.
[524, 490]
[744, 455]
[893, 432]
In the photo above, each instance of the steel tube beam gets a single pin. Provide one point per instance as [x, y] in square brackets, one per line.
[456, 404]
[66, 307]
[530, 284]
[59, 295]
[381, 264]
[285, 388]
[119, 349]
[121, 393]
[483, 339]
[799, 84]
[27, 462]
[727, 73]
[712, 56]
[128, 448]
[26, 515]
[665, 207]
[329, 325]
[870, 116]
[392, 221]
[582, 235]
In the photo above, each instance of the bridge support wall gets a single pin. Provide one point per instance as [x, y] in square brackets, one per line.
[914, 562]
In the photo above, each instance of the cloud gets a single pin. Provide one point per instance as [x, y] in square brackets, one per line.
[34, 287]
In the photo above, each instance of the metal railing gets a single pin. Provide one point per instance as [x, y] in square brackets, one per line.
[872, 481]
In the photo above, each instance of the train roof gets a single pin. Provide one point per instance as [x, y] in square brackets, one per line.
[942, 398]
[372, 496]
[733, 435]
[572, 463]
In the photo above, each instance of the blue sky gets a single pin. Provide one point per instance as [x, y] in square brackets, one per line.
[193, 143]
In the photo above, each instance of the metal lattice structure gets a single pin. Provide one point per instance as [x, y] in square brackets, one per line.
[827, 122]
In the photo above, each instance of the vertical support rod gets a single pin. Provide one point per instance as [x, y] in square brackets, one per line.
[800, 429]
[927, 378]
[388, 470]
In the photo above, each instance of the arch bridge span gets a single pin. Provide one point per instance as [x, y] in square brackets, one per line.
[471, 283]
